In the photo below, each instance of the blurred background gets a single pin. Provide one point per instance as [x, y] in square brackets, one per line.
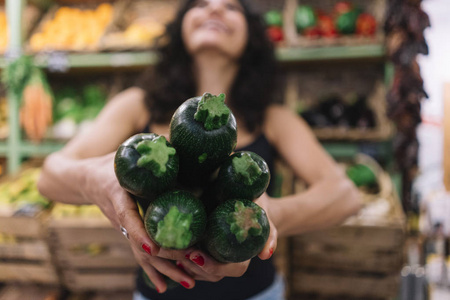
[371, 77]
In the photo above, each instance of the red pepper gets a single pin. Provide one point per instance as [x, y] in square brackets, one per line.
[312, 32]
[275, 33]
[342, 7]
[366, 25]
[326, 26]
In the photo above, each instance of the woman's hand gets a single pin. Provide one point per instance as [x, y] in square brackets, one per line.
[201, 266]
[102, 188]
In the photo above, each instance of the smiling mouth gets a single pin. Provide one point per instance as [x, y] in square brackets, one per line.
[215, 25]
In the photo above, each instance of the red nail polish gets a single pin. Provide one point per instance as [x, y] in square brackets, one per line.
[158, 290]
[147, 248]
[199, 260]
[270, 252]
[187, 255]
[185, 284]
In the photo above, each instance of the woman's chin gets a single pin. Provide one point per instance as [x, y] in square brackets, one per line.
[214, 48]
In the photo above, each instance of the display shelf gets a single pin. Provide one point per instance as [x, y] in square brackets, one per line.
[28, 149]
[62, 61]
[16, 147]
[3, 147]
[330, 53]
[25, 148]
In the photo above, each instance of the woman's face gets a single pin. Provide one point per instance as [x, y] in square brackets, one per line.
[215, 24]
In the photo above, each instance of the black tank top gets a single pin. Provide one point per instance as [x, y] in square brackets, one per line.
[259, 275]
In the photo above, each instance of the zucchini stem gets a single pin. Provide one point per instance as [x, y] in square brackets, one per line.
[174, 231]
[244, 221]
[212, 111]
[154, 155]
[247, 169]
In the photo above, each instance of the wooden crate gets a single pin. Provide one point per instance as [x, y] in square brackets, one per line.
[25, 254]
[283, 186]
[92, 255]
[25, 292]
[360, 259]
[77, 280]
[120, 295]
[27, 258]
[306, 88]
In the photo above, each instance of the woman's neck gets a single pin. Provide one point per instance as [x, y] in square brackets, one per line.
[214, 73]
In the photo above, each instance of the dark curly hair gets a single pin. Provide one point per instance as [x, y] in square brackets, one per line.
[170, 82]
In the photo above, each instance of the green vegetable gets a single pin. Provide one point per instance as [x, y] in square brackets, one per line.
[346, 22]
[273, 18]
[203, 130]
[237, 230]
[146, 165]
[175, 220]
[17, 74]
[243, 175]
[361, 175]
[305, 17]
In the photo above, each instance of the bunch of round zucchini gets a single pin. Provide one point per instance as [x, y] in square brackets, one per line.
[195, 190]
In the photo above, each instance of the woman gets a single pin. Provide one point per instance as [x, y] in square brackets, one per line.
[215, 46]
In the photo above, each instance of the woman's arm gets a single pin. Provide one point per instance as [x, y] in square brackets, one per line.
[65, 173]
[331, 196]
[83, 173]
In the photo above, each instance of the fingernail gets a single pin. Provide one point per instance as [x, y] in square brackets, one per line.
[199, 260]
[147, 248]
[270, 252]
[157, 290]
[185, 284]
[179, 265]
[188, 256]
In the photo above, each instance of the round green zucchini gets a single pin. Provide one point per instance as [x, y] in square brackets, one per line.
[203, 130]
[244, 175]
[146, 165]
[175, 220]
[237, 230]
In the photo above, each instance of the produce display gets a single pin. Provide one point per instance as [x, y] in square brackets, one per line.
[274, 22]
[3, 32]
[30, 85]
[72, 28]
[75, 107]
[344, 19]
[62, 211]
[140, 25]
[21, 196]
[139, 34]
[186, 212]
[337, 111]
